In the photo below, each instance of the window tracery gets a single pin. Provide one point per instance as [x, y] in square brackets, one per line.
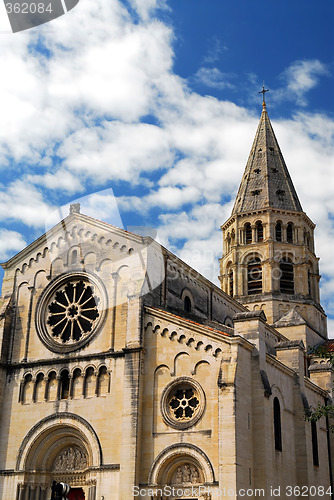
[182, 403]
[70, 310]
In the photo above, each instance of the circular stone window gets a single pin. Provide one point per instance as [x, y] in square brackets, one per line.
[182, 403]
[70, 311]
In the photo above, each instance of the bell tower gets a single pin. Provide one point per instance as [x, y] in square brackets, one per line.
[269, 261]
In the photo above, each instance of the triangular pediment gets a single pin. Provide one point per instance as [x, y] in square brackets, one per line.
[74, 229]
[291, 318]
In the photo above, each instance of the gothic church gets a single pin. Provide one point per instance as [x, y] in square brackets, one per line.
[127, 374]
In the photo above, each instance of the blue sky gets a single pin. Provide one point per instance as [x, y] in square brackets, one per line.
[153, 105]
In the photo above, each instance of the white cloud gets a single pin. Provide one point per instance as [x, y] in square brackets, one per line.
[195, 236]
[82, 105]
[300, 77]
[24, 203]
[63, 180]
[116, 150]
[145, 8]
[10, 241]
[166, 198]
[213, 78]
[100, 205]
[100, 64]
[215, 50]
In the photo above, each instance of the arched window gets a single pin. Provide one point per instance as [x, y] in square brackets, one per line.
[103, 381]
[232, 237]
[289, 233]
[314, 443]
[90, 382]
[254, 276]
[248, 233]
[278, 232]
[187, 304]
[51, 391]
[64, 384]
[307, 240]
[286, 277]
[230, 283]
[259, 231]
[77, 386]
[277, 425]
[228, 243]
[74, 257]
[39, 388]
[28, 389]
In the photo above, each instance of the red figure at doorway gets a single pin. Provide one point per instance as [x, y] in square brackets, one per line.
[76, 494]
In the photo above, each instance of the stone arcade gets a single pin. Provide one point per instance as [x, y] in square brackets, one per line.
[124, 370]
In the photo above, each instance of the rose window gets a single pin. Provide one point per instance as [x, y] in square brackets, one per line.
[70, 311]
[73, 311]
[182, 403]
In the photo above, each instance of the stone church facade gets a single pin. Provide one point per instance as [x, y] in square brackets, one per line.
[127, 374]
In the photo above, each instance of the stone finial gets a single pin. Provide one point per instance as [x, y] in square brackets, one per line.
[75, 208]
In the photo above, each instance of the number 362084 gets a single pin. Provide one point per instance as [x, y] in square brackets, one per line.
[28, 8]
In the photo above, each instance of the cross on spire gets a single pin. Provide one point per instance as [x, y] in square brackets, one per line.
[263, 91]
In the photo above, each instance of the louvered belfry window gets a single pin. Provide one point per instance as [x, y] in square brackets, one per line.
[254, 276]
[286, 277]
[259, 231]
[231, 283]
[289, 233]
[248, 233]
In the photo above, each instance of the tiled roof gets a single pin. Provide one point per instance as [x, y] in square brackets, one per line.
[266, 181]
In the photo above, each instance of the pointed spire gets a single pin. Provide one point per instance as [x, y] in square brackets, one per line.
[266, 182]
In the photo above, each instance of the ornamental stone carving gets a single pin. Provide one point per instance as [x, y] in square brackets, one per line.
[185, 474]
[70, 459]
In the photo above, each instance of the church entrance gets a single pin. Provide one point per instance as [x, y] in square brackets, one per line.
[76, 494]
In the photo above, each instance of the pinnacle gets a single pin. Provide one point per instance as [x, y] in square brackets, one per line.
[266, 181]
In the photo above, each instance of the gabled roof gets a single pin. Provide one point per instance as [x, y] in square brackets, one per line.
[291, 318]
[64, 226]
[266, 181]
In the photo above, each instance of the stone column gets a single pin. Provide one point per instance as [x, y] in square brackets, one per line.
[254, 235]
[283, 232]
[20, 492]
[113, 304]
[131, 400]
[58, 378]
[32, 293]
[70, 389]
[26, 492]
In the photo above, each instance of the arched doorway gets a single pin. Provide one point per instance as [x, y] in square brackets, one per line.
[60, 448]
[185, 469]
